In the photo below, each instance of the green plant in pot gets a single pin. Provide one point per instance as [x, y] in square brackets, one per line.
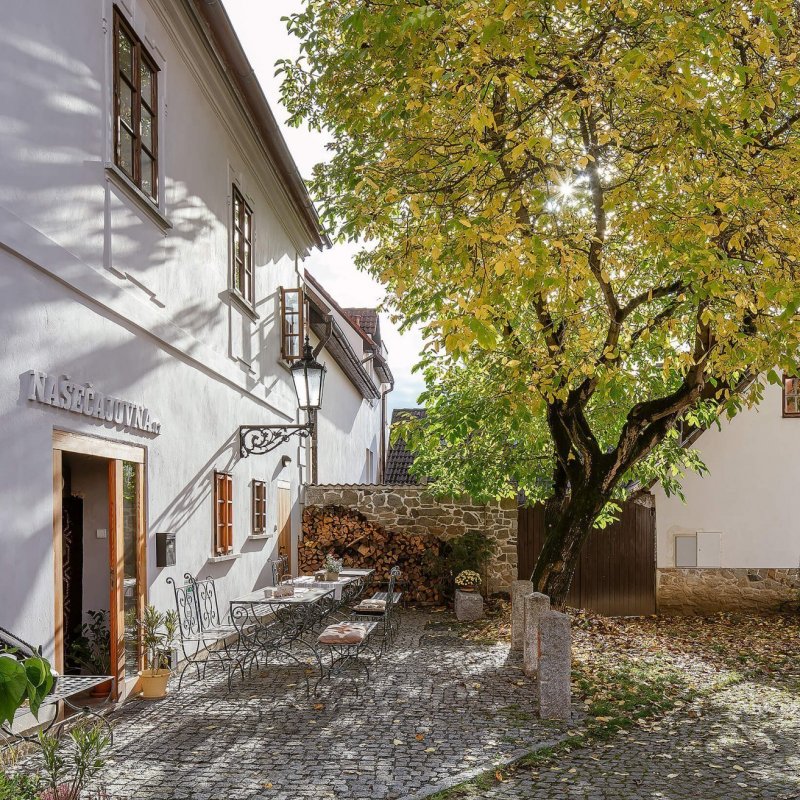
[333, 566]
[91, 651]
[158, 634]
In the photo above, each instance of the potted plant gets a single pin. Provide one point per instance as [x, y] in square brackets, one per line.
[333, 566]
[92, 649]
[158, 634]
[468, 580]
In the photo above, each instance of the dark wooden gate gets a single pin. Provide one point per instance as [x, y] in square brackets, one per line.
[616, 574]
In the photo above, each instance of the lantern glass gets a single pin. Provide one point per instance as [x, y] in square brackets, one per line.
[309, 379]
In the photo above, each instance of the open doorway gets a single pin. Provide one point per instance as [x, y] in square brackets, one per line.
[99, 546]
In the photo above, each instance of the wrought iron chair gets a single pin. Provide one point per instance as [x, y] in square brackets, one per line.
[203, 635]
[389, 616]
[280, 568]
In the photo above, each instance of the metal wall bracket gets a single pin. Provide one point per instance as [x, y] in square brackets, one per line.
[259, 439]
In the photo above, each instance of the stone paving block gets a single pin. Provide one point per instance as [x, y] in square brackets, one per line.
[536, 605]
[519, 590]
[227, 745]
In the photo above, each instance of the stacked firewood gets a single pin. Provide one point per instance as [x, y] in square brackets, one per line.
[363, 544]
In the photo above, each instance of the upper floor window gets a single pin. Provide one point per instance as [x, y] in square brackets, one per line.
[135, 109]
[291, 323]
[223, 513]
[791, 396]
[242, 267]
[259, 507]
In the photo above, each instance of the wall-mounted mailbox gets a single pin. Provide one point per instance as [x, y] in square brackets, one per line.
[165, 549]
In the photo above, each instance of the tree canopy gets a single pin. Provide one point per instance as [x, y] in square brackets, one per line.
[591, 207]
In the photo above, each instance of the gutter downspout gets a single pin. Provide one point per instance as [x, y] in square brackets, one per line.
[312, 417]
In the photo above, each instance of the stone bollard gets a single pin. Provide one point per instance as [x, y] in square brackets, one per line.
[519, 590]
[553, 676]
[536, 606]
[469, 606]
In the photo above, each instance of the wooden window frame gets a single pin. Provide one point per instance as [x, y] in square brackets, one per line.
[259, 508]
[223, 513]
[286, 337]
[242, 269]
[790, 414]
[139, 54]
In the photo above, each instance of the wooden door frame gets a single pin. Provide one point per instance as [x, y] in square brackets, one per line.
[115, 453]
[287, 487]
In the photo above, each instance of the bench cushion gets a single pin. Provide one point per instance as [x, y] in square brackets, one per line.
[343, 633]
[371, 607]
[385, 597]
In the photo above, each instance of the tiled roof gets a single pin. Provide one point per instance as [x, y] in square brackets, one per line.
[399, 459]
[367, 320]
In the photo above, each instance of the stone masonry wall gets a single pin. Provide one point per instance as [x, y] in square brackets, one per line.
[414, 510]
[702, 590]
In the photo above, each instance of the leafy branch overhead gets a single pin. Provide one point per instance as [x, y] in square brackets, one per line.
[592, 208]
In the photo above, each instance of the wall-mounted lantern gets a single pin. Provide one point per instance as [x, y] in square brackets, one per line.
[308, 376]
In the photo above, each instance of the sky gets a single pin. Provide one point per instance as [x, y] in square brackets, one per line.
[265, 40]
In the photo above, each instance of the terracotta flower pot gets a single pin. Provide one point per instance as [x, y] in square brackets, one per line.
[468, 589]
[102, 690]
[154, 684]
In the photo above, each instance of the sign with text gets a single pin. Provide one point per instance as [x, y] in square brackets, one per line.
[60, 391]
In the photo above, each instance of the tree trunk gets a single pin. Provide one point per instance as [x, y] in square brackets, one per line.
[568, 523]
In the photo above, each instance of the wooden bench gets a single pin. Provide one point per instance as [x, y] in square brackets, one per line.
[389, 618]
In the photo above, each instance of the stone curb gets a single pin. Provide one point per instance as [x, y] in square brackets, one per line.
[475, 771]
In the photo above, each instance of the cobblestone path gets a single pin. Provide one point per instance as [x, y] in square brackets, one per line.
[740, 744]
[438, 706]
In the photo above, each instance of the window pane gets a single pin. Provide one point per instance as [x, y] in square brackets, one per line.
[791, 405]
[126, 151]
[247, 219]
[147, 129]
[292, 303]
[237, 210]
[146, 83]
[126, 103]
[130, 566]
[147, 173]
[125, 54]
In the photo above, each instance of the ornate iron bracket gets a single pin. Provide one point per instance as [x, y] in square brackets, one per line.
[259, 439]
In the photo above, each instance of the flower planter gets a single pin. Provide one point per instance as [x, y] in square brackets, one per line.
[103, 690]
[154, 684]
[331, 576]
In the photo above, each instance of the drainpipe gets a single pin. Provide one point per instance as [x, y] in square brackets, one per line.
[312, 415]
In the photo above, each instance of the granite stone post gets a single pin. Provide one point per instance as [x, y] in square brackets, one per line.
[519, 590]
[469, 606]
[536, 606]
[553, 676]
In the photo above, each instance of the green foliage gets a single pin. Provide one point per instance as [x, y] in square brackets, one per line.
[591, 209]
[92, 649]
[71, 761]
[158, 635]
[468, 552]
[19, 787]
[21, 681]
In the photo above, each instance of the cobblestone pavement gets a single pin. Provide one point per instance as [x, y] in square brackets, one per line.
[437, 707]
[740, 744]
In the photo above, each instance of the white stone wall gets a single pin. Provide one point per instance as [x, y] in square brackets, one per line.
[748, 496]
[94, 286]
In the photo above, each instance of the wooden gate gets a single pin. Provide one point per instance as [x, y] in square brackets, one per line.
[616, 573]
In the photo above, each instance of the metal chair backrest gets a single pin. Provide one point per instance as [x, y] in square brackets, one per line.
[25, 649]
[280, 568]
[207, 604]
[394, 574]
[186, 606]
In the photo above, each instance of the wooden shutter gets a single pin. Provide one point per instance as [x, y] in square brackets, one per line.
[223, 513]
[291, 324]
[259, 507]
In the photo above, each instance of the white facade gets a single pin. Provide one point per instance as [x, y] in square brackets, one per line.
[99, 286]
[745, 505]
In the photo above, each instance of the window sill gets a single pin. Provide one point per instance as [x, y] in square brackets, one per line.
[223, 559]
[243, 305]
[134, 193]
[259, 537]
